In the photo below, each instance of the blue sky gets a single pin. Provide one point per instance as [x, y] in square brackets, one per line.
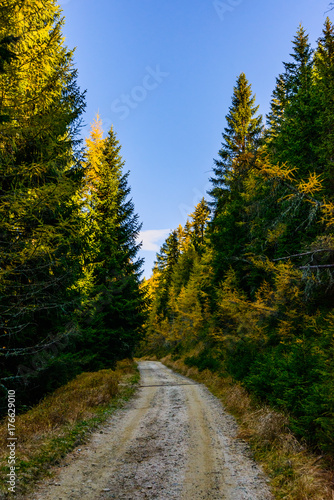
[162, 73]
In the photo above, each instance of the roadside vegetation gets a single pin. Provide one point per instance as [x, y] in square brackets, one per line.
[245, 288]
[62, 421]
[295, 472]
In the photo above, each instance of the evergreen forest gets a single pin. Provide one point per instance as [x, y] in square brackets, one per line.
[70, 291]
[245, 288]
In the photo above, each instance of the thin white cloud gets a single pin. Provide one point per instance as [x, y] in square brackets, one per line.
[152, 239]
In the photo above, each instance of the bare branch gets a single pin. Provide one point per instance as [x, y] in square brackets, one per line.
[322, 266]
[305, 253]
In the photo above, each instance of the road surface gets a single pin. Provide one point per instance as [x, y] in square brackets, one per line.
[173, 440]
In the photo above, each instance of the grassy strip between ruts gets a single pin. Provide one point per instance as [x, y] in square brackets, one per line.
[295, 472]
[62, 421]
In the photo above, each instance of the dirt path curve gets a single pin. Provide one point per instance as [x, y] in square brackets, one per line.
[173, 440]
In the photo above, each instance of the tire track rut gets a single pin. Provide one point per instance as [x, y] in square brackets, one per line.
[173, 440]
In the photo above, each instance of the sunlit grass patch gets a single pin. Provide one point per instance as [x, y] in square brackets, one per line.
[62, 420]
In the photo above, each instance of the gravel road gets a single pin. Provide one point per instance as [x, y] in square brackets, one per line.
[173, 440]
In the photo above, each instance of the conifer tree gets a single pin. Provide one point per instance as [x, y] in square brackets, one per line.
[191, 245]
[112, 321]
[324, 89]
[292, 135]
[193, 248]
[40, 175]
[169, 253]
[297, 72]
[166, 261]
[237, 159]
[292, 139]
[277, 108]
[255, 299]
[241, 141]
[198, 224]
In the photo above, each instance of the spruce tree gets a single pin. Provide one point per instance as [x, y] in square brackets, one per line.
[241, 141]
[297, 72]
[292, 134]
[192, 245]
[166, 261]
[324, 89]
[40, 175]
[198, 224]
[113, 317]
[292, 140]
[277, 107]
[228, 231]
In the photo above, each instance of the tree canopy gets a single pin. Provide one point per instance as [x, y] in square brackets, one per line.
[247, 289]
[67, 226]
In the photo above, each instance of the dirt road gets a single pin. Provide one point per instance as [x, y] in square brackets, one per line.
[173, 440]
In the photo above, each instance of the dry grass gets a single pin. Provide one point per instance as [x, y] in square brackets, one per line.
[237, 399]
[295, 472]
[265, 425]
[61, 421]
[75, 401]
